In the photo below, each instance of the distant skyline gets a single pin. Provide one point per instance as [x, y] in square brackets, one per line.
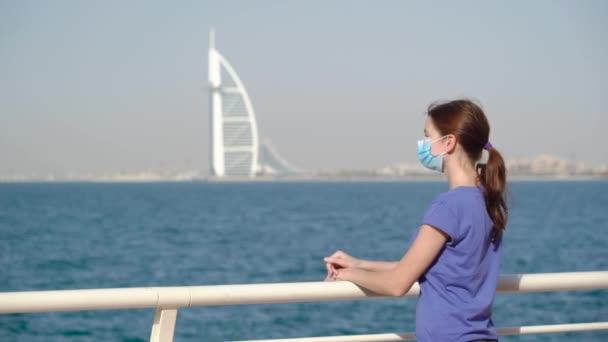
[102, 87]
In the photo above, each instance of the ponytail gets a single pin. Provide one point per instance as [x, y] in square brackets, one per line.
[467, 121]
[493, 179]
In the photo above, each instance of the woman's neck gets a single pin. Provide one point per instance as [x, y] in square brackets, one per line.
[460, 173]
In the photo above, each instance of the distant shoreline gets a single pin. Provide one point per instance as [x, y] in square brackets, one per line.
[329, 179]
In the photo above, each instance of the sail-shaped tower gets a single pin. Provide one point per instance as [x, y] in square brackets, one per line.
[236, 147]
[234, 132]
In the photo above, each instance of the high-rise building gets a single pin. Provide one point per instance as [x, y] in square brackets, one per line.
[236, 148]
[234, 132]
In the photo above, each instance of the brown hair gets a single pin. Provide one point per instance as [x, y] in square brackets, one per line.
[469, 124]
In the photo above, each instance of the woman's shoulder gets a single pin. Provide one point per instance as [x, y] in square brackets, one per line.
[458, 196]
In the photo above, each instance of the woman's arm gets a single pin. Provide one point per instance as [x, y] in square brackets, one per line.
[398, 280]
[375, 266]
[341, 259]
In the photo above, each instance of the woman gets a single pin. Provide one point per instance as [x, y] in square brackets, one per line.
[455, 255]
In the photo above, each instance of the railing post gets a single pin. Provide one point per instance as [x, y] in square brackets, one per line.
[164, 325]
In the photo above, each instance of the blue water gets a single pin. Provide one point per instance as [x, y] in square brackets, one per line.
[87, 235]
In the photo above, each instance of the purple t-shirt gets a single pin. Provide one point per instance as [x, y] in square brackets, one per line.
[457, 290]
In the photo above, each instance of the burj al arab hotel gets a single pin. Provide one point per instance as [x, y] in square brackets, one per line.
[236, 150]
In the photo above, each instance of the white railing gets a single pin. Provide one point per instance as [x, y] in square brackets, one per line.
[167, 300]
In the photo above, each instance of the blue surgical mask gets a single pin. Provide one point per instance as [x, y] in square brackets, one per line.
[430, 161]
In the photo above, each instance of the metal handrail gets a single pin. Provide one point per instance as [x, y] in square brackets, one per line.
[393, 337]
[168, 299]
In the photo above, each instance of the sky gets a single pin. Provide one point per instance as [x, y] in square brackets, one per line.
[121, 86]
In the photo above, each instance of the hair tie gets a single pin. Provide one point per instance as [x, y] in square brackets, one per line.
[487, 146]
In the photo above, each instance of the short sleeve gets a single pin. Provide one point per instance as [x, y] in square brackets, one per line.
[442, 217]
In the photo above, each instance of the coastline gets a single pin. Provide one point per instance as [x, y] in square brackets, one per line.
[304, 179]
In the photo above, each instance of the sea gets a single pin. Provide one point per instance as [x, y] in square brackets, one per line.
[59, 236]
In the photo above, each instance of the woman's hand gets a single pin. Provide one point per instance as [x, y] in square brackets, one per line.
[331, 272]
[342, 260]
[344, 274]
[337, 263]
[338, 274]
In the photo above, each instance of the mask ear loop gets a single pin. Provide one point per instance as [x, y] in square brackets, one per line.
[439, 139]
[444, 153]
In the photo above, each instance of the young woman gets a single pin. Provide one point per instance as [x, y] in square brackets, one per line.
[455, 255]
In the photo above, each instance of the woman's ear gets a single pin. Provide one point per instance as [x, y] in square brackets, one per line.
[450, 143]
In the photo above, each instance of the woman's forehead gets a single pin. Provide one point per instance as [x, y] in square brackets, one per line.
[428, 126]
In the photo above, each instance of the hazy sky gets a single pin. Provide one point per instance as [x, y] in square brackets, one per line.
[121, 85]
